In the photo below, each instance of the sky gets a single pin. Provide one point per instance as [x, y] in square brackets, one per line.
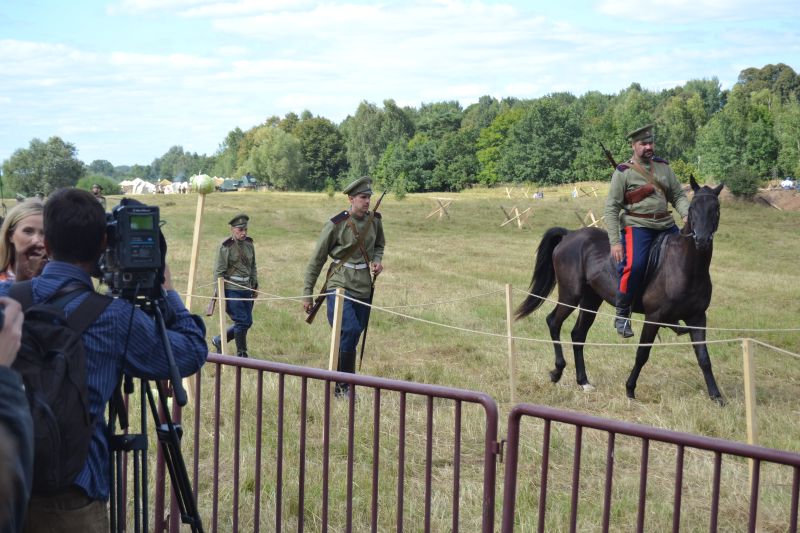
[125, 80]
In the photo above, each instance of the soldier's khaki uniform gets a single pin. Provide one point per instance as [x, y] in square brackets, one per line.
[636, 212]
[236, 262]
[335, 241]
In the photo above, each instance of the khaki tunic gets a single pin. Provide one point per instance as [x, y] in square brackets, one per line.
[626, 179]
[236, 261]
[335, 241]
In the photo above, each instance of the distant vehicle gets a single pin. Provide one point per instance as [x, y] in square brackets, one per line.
[228, 186]
[788, 183]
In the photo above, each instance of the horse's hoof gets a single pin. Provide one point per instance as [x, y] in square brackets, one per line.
[588, 387]
[555, 376]
[719, 400]
[630, 394]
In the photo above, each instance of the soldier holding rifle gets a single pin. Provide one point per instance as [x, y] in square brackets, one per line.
[354, 240]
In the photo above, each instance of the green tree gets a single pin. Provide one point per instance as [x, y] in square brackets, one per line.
[481, 114]
[490, 143]
[370, 131]
[597, 125]
[43, 167]
[787, 133]
[781, 80]
[276, 159]
[542, 144]
[227, 154]
[323, 149]
[456, 164]
[101, 166]
[438, 119]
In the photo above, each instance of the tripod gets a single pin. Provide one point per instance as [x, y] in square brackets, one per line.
[168, 434]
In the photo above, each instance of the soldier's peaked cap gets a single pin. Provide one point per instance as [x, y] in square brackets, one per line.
[645, 133]
[239, 221]
[359, 186]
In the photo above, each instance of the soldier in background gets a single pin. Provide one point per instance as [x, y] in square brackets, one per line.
[97, 191]
[236, 262]
[337, 239]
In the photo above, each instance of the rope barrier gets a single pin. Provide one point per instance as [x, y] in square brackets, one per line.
[391, 310]
[787, 352]
[531, 339]
[663, 324]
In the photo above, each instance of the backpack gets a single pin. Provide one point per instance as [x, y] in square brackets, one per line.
[52, 362]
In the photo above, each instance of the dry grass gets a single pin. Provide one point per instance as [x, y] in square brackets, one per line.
[457, 267]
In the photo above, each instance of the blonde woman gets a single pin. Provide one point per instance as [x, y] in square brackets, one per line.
[22, 254]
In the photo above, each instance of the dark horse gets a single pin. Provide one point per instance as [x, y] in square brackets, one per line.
[678, 289]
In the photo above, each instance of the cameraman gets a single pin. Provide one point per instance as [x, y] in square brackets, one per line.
[123, 339]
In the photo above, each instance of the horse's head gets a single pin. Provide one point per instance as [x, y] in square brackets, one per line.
[703, 214]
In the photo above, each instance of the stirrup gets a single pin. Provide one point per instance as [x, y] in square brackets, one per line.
[623, 326]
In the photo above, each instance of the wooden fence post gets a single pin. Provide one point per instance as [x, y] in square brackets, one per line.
[223, 331]
[512, 356]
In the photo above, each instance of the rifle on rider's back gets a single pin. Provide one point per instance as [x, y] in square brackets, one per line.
[608, 155]
[312, 313]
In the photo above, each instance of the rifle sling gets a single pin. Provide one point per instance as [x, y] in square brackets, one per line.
[650, 177]
[358, 245]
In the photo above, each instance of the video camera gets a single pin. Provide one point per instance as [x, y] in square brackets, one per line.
[133, 263]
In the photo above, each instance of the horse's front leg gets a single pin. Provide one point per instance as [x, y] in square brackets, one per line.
[698, 334]
[642, 355]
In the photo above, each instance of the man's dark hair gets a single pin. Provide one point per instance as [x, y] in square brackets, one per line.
[74, 225]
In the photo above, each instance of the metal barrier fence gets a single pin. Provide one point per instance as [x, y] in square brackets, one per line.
[295, 454]
[268, 446]
[698, 469]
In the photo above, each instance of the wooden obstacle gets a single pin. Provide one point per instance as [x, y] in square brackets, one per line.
[524, 193]
[514, 214]
[590, 221]
[440, 208]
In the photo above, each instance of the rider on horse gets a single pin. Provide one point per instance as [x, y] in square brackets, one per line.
[636, 213]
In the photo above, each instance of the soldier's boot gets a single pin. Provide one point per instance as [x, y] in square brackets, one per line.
[241, 343]
[215, 340]
[347, 363]
[622, 322]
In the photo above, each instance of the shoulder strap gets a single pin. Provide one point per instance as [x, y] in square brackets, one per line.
[22, 291]
[86, 313]
[650, 177]
[80, 318]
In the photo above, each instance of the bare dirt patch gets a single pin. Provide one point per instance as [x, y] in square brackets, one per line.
[785, 200]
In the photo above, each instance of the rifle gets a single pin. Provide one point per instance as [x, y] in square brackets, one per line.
[212, 304]
[312, 313]
[608, 155]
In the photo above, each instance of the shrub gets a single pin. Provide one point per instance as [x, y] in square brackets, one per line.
[742, 182]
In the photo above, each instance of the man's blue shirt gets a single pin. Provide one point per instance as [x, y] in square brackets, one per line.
[123, 339]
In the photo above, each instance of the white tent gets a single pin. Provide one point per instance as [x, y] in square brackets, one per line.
[142, 187]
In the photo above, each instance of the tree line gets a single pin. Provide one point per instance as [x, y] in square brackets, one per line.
[740, 136]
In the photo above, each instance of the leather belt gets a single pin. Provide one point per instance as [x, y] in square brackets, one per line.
[653, 216]
[354, 266]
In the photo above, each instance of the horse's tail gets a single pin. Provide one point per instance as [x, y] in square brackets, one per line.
[544, 275]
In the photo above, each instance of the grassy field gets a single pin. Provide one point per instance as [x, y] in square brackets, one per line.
[453, 271]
